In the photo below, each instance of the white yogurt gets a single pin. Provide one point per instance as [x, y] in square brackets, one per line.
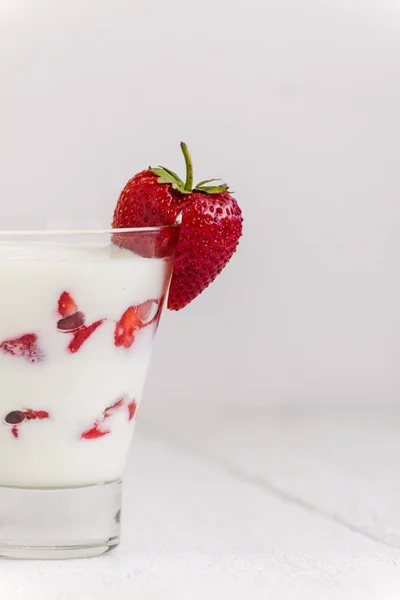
[75, 389]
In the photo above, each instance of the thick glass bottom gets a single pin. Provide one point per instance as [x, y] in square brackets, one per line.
[59, 523]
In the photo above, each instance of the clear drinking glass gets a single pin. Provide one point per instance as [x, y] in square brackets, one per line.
[78, 313]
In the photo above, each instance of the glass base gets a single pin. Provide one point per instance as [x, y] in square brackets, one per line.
[59, 523]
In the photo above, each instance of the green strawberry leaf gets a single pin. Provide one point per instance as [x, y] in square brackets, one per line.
[173, 174]
[212, 189]
[167, 176]
[206, 181]
[164, 180]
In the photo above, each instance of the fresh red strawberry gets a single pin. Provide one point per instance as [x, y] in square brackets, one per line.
[14, 431]
[66, 305]
[209, 233]
[82, 335]
[131, 410]
[25, 346]
[145, 203]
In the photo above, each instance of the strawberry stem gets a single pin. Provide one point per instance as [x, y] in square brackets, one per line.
[167, 176]
[189, 167]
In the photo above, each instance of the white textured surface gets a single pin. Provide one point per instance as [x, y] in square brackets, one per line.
[249, 506]
[345, 462]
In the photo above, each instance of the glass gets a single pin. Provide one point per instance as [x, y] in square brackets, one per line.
[79, 310]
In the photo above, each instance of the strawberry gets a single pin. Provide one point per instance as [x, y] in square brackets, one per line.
[82, 334]
[66, 305]
[36, 414]
[94, 432]
[133, 319]
[72, 319]
[126, 327]
[25, 346]
[144, 203]
[17, 417]
[211, 225]
[42, 414]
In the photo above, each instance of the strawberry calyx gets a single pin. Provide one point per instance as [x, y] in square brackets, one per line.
[167, 176]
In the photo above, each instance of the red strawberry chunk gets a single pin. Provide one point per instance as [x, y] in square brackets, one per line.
[132, 410]
[82, 335]
[133, 319]
[94, 432]
[25, 346]
[29, 414]
[18, 417]
[36, 414]
[42, 414]
[126, 327]
[66, 305]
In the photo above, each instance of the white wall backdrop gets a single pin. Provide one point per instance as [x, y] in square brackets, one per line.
[297, 104]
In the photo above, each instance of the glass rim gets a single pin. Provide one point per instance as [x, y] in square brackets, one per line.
[66, 232]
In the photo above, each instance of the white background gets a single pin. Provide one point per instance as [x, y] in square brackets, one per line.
[296, 104]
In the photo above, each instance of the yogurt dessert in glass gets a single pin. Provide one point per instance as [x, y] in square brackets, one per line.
[78, 318]
[79, 311]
